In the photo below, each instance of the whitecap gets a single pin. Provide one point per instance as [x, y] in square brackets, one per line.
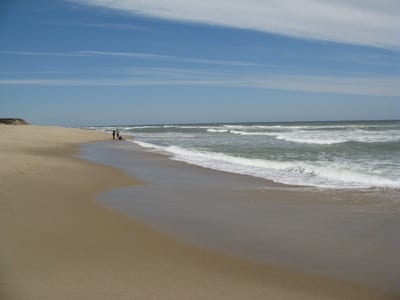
[322, 174]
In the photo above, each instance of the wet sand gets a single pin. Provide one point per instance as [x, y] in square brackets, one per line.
[57, 242]
[329, 233]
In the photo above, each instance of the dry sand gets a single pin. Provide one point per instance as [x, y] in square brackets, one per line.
[56, 242]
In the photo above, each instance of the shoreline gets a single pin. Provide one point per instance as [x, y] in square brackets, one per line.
[59, 243]
[385, 198]
[351, 156]
[303, 229]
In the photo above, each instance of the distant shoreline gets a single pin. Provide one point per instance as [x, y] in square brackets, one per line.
[13, 121]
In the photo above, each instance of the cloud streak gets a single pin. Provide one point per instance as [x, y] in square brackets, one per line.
[139, 55]
[103, 25]
[180, 77]
[33, 53]
[371, 23]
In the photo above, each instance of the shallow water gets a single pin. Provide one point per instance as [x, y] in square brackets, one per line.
[330, 233]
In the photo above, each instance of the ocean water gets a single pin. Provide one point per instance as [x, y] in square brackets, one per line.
[362, 154]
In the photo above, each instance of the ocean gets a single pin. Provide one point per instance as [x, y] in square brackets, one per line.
[351, 154]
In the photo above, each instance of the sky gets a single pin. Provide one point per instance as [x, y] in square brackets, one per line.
[104, 62]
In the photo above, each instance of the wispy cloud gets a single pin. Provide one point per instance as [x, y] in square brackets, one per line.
[139, 55]
[369, 86]
[33, 53]
[126, 54]
[373, 23]
[327, 84]
[104, 25]
[176, 58]
[227, 73]
[86, 53]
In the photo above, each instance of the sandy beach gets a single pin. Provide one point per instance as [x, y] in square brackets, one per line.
[57, 242]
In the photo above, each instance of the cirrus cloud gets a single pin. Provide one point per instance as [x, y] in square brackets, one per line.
[361, 22]
[367, 86]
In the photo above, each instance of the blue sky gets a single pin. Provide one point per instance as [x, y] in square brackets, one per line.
[94, 62]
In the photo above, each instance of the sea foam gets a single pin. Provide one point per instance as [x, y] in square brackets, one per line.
[321, 154]
[296, 173]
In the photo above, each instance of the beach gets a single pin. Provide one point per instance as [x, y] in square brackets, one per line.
[58, 242]
[338, 233]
